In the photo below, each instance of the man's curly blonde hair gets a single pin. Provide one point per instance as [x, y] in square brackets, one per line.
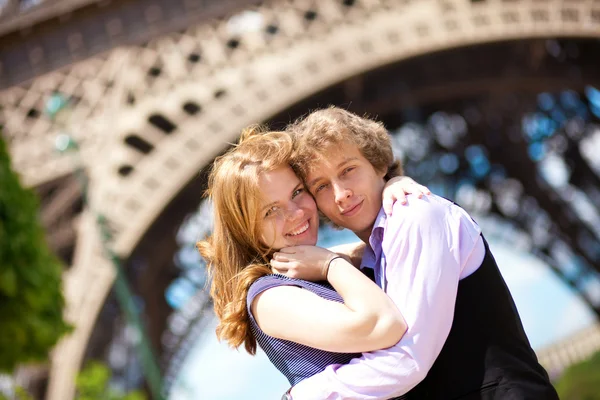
[318, 132]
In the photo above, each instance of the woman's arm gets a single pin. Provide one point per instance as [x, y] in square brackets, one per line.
[367, 320]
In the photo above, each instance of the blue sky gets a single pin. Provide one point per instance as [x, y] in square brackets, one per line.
[549, 310]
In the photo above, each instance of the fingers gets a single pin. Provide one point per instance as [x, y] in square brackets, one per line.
[288, 269]
[279, 267]
[280, 257]
[288, 250]
[421, 191]
[388, 205]
[401, 197]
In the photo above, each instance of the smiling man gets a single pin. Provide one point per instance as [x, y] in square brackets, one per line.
[465, 339]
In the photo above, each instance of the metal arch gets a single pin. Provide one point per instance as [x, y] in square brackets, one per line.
[122, 79]
[354, 51]
[85, 285]
[242, 83]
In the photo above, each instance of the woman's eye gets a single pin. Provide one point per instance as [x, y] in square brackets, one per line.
[271, 211]
[297, 192]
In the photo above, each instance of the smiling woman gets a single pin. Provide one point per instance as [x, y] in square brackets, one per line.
[235, 253]
[289, 212]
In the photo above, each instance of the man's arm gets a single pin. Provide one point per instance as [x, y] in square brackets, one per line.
[352, 252]
[422, 246]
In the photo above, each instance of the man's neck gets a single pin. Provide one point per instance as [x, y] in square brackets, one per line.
[364, 235]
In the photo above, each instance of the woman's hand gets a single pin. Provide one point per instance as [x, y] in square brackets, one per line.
[397, 188]
[303, 262]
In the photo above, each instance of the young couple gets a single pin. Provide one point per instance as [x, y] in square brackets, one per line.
[436, 322]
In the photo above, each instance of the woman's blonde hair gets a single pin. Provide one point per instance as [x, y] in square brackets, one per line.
[234, 253]
[317, 132]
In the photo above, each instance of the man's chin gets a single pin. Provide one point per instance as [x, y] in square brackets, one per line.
[349, 226]
[358, 228]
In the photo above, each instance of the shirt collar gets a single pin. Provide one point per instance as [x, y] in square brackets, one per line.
[375, 240]
[379, 221]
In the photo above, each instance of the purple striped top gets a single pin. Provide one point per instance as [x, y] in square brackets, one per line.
[296, 361]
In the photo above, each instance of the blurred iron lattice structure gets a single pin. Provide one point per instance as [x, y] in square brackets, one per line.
[158, 89]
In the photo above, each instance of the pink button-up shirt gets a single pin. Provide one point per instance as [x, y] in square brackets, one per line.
[418, 256]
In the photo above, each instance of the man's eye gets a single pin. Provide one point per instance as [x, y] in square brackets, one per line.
[320, 187]
[349, 169]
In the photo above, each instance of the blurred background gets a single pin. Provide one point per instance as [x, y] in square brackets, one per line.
[111, 113]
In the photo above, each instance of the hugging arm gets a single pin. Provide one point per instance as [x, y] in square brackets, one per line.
[352, 252]
[397, 188]
[367, 320]
[422, 274]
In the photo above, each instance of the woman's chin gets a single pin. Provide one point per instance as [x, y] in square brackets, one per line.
[304, 243]
[308, 240]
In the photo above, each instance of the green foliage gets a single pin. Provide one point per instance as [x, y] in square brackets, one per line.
[92, 384]
[31, 300]
[19, 394]
[581, 381]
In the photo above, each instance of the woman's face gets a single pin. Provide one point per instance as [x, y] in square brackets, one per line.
[288, 212]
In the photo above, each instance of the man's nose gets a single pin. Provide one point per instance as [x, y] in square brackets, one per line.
[341, 193]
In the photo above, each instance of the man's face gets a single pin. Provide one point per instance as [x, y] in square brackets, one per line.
[347, 188]
[288, 213]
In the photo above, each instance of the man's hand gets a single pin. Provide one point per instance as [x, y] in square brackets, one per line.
[303, 262]
[397, 188]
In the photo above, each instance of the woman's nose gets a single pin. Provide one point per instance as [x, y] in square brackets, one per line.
[293, 212]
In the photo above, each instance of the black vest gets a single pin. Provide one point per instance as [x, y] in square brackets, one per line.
[487, 354]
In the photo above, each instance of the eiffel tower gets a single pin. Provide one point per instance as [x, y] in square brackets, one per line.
[158, 88]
